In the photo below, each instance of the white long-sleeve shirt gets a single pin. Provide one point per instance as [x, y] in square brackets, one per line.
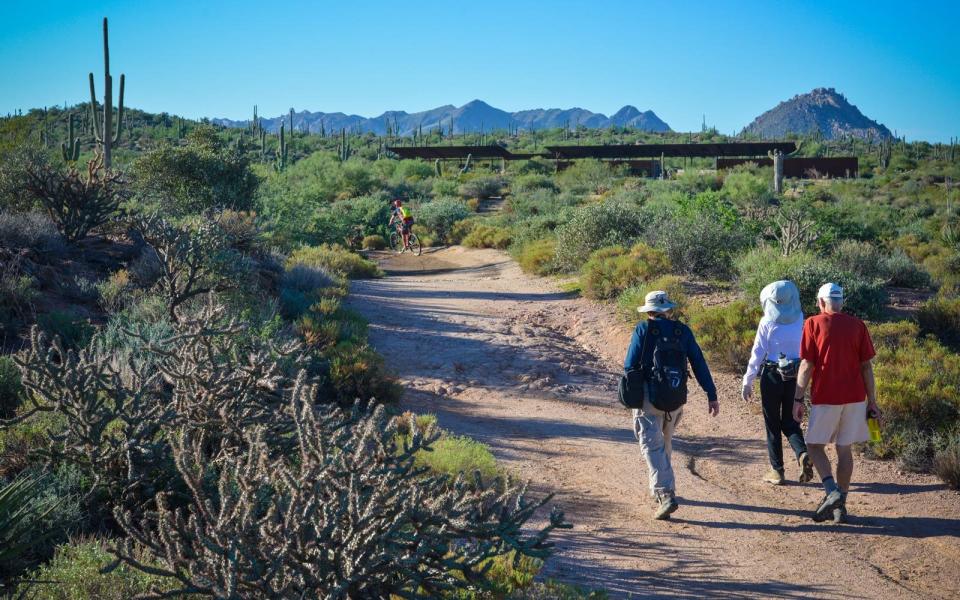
[772, 339]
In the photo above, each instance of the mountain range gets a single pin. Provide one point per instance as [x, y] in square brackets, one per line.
[824, 110]
[473, 117]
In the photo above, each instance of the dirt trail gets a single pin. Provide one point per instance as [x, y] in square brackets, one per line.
[512, 361]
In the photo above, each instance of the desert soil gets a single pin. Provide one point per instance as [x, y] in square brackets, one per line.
[516, 363]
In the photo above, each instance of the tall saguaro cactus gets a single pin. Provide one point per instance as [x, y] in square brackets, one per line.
[104, 132]
[71, 148]
[777, 157]
[281, 161]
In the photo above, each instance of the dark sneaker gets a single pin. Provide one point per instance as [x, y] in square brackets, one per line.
[831, 501]
[806, 466]
[668, 505]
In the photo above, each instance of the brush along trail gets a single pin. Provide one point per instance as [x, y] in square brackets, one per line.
[512, 361]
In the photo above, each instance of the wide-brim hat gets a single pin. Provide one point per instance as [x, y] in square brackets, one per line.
[781, 302]
[657, 301]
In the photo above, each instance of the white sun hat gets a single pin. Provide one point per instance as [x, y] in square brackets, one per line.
[657, 301]
[781, 302]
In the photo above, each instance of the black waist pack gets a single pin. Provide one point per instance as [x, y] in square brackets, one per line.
[631, 387]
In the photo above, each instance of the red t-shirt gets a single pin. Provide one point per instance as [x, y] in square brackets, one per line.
[836, 344]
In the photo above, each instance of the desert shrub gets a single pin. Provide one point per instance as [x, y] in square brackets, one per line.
[356, 371]
[116, 291]
[11, 389]
[373, 242]
[444, 188]
[508, 576]
[593, 226]
[611, 270]
[482, 187]
[452, 455]
[22, 443]
[72, 330]
[75, 573]
[427, 238]
[462, 229]
[538, 257]
[699, 243]
[75, 203]
[632, 298]
[533, 181]
[748, 191]
[16, 297]
[439, 216]
[333, 258]
[900, 270]
[589, 176]
[946, 463]
[726, 332]
[918, 389]
[940, 317]
[239, 228]
[30, 230]
[203, 174]
[487, 236]
[862, 258]
[864, 298]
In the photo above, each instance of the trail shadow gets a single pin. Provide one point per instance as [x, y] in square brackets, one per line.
[908, 527]
[886, 487]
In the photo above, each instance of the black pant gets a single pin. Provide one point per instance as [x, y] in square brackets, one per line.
[776, 397]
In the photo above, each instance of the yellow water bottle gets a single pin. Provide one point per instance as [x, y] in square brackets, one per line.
[873, 426]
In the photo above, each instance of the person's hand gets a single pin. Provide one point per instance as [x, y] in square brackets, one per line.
[747, 393]
[874, 411]
[798, 409]
[713, 407]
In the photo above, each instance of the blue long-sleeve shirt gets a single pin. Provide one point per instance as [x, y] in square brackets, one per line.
[694, 355]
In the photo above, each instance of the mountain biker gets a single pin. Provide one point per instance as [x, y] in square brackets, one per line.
[402, 216]
[670, 346]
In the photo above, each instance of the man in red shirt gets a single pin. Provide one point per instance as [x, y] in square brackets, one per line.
[836, 351]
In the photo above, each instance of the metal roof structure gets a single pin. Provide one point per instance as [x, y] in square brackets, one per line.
[451, 152]
[712, 150]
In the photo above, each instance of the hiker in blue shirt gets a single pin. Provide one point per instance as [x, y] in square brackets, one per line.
[663, 355]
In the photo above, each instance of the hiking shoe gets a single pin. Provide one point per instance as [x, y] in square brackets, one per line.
[806, 466]
[840, 513]
[668, 504]
[774, 477]
[831, 501]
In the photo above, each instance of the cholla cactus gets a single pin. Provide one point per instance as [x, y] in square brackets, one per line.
[793, 231]
[346, 515]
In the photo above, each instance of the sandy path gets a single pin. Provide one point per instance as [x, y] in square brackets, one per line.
[512, 361]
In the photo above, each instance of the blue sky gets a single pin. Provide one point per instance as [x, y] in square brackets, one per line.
[897, 61]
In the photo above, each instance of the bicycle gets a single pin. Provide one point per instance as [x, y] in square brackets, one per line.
[413, 242]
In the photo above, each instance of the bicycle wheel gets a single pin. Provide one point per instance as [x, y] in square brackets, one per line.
[415, 244]
[395, 244]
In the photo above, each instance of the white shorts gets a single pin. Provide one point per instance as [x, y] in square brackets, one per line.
[840, 424]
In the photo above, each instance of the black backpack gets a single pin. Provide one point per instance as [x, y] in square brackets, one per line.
[667, 368]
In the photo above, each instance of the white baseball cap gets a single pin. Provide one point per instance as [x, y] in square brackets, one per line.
[830, 290]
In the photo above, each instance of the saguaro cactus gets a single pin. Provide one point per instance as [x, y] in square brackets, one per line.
[104, 132]
[281, 161]
[291, 124]
[777, 157]
[71, 148]
[344, 151]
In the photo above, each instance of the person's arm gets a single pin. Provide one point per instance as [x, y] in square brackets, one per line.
[757, 355]
[866, 371]
[803, 380]
[702, 373]
[632, 360]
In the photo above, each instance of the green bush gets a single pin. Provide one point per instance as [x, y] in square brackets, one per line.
[452, 455]
[613, 269]
[481, 187]
[940, 317]
[439, 216]
[334, 258]
[867, 261]
[595, 225]
[726, 332]
[75, 574]
[918, 389]
[699, 243]
[73, 331]
[946, 463]
[589, 176]
[538, 257]
[373, 242]
[461, 229]
[487, 236]
[533, 181]
[444, 188]
[633, 297]
[11, 390]
[864, 298]
[16, 298]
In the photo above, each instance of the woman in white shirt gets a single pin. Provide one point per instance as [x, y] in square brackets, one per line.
[775, 360]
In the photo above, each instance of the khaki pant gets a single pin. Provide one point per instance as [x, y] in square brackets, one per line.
[654, 431]
[840, 424]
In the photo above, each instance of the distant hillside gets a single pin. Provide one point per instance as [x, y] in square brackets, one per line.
[472, 117]
[822, 110]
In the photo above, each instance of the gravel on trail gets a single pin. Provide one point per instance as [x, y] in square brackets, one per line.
[531, 371]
